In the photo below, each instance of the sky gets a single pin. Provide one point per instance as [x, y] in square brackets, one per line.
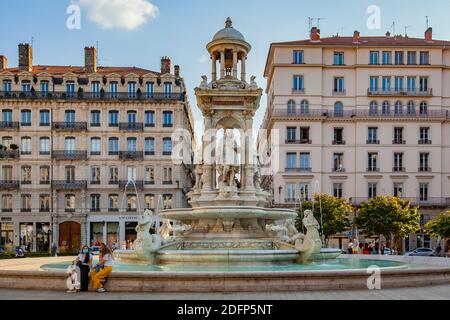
[139, 32]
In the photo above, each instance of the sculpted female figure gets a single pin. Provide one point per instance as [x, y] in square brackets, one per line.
[311, 243]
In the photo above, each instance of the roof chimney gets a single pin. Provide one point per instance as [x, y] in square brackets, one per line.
[165, 65]
[315, 34]
[356, 36]
[3, 63]
[429, 34]
[90, 59]
[25, 57]
[177, 71]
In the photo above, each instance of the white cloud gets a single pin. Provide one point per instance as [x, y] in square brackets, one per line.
[119, 14]
[203, 58]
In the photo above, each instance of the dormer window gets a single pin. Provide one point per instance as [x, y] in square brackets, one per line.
[7, 85]
[26, 86]
[70, 89]
[149, 89]
[132, 90]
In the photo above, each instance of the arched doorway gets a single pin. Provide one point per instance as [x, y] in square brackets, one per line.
[69, 237]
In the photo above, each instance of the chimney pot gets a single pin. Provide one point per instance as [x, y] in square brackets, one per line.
[90, 59]
[315, 34]
[25, 57]
[3, 63]
[165, 65]
[356, 36]
[429, 34]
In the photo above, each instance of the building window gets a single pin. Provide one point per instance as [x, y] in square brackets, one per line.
[95, 203]
[6, 142]
[167, 200]
[96, 118]
[412, 57]
[95, 175]
[338, 58]
[291, 107]
[26, 86]
[424, 162]
[398, 135]
[290, 192]
[372, 162]
[338, 84]
[70, 174]
[44, 146]
[372, 135]
[399, 57]
[132, 119]
[149, 89]
[167, 175]
[132, 145]
[423, 84]
[70, 144]
[424, 58]
[25, 145]
[131, 173]
[168, 89]
[113, 200]
[291, 134]
[149, 146]
[373, 107]
[44, 174]
[298, 57]
[398, 107]
[338, 109]
[386, 84]
[304, 107]
[131, 203]
[113, 175]
[150, 201]
[7, 173]
[70, 117]
[386, 108]
[374, 57]
[411, 84]
[387, 57]
[7, 85]
[303, 192]
[298, 84]
[398, 84]
[168, 119]
[70, 203]
[132, 90]
[398, 189]
[44, 118]
[95, 89]
[44, 203]
[423, 191]
[372, 190]
[338, 190]
[113, 146]
[423, 108]
[398, 162]
[70, 89]
[96, 146]
[25, 118]
[7, 203]
[26, 175]
[373, 84]
[149, 175]
[114, 118]
[338, 136]
[167, 146]
[149, 118]
[411, 107]
[338, 162]
[304, 135]
[424, 135]
[113, 89]
[291, 160]
[7, 115]
[305, 163]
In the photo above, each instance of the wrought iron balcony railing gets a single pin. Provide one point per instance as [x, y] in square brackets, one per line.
[119, 96]
[425, 141]
[9, 154]
[370, 141]
[398, 169]
[400, 92]
[425, 169]
[300, 141]
[9, 125]
[338, 170]
[69, 126]
[9, 184]
[131, 126]
[69, 155]
[372, 169]
[298, 170]
[131, 155]
[338, 142]
[398, 141]
[415, 201]
[69, 185]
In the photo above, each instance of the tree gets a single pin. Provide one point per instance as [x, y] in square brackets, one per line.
[335, 213]
[388, 216]
[439, 227]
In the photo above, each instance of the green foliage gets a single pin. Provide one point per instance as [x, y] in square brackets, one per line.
[335, 213]
[439, 227]
[388, 216]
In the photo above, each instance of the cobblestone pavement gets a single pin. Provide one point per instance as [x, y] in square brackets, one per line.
[425, 293]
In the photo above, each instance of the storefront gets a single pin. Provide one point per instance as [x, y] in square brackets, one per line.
[112, 230]
[6, 233]
[69, 237]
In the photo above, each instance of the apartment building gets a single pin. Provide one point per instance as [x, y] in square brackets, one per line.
[72, 138]
[358, 117]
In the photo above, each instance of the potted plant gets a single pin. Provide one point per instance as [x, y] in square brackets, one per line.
[13, 147]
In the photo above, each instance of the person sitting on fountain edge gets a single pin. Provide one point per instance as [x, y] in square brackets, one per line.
[103, 269]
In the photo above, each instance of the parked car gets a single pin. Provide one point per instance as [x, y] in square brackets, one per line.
[421, 252]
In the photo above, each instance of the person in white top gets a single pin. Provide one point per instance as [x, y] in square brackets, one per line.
[103, 269]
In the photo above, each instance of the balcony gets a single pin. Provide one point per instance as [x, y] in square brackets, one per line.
[373, 141]
[131, 126]
[399, 92]
[425, 142]
[425, 169]
[298, 170]
[167, 182]
[131, 155]
[338, 170]
[398, 141]
[167, 153]
[120, 96]
[124, 183]
[338, 142]
[69, 185]
[301, 141]
[398, 169]
[9, 125]
[70, 126]
[372, 169]
[339, 92]
[9, 184]
[69, 155]
[9, 154]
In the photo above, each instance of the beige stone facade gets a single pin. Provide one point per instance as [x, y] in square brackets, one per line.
[358, 117]
[73, 137]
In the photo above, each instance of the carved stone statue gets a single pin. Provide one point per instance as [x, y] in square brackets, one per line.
[165, 230]
[198, 177]
[281, 231]
[257, 175]
[204, 83]
[184, 228]
[253, 84]
[312, 242]
[145, 243]
[292, 231]
[227, 175]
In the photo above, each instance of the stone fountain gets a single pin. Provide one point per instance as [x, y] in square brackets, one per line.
[228, 221]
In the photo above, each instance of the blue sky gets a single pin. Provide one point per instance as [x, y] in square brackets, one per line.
[181, 30]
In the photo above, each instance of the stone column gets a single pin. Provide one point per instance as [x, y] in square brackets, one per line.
[222, 64]
[214, 67]
[235, 62]
[249, 165]
[207, 150]
[244, 57]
